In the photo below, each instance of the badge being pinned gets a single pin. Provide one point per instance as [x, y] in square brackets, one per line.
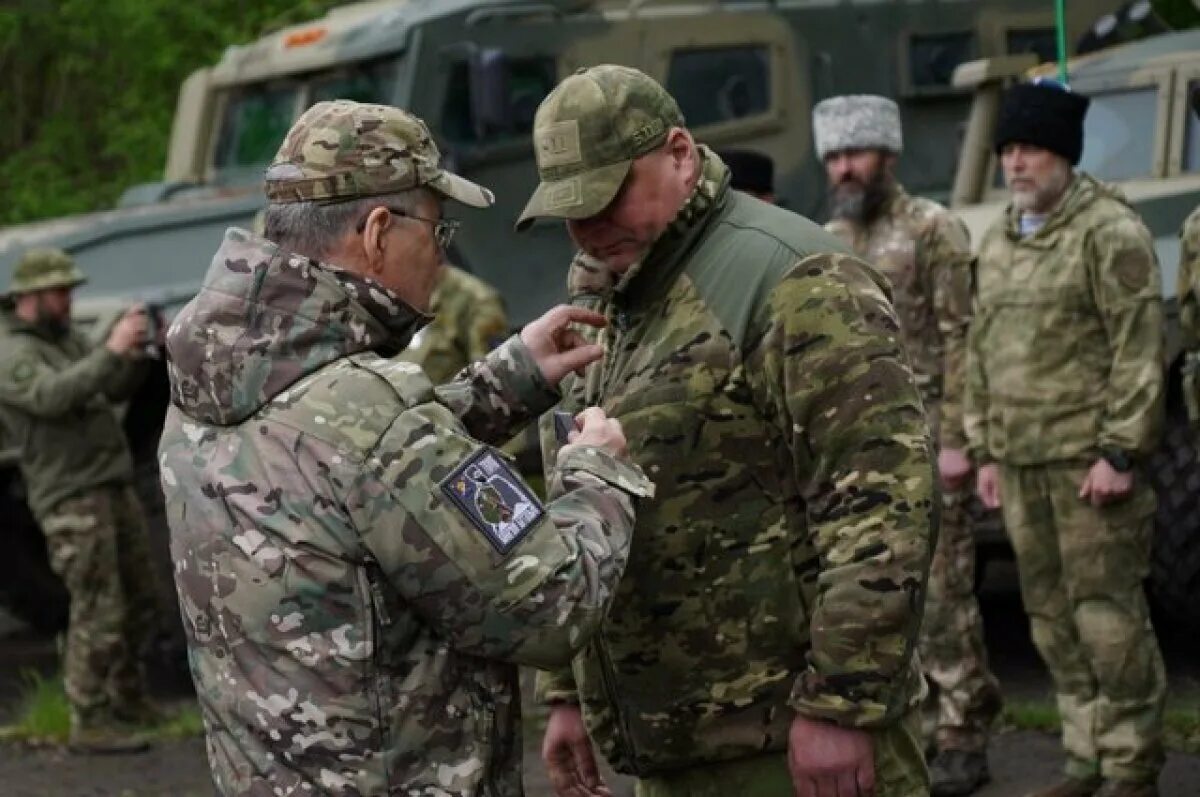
[494, 499]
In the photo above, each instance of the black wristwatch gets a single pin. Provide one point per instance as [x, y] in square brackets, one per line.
[1118, 458]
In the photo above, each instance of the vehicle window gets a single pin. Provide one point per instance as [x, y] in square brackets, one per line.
[256, 120]
[529, 81]
[370, 82]
[1118, 134]
[1191, 135]
[932, 57]
[1039, 41]
[719, 84]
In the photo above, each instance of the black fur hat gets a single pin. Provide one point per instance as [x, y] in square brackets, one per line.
[1044, 114]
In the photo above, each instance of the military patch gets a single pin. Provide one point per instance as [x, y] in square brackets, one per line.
[567, 194]
[494, 499]
[558, 144]
[1132, 270]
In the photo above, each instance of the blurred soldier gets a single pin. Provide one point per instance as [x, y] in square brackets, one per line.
[762, 641]
[468, 322]
[925, 253]
[356, 569]
[57, 397]
[751, 172]
[1063, 403]
[1188, 292]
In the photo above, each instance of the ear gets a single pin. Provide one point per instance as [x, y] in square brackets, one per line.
[681, 147]
[374, 240]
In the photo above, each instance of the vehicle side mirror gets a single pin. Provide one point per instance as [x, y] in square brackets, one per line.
[490, 108]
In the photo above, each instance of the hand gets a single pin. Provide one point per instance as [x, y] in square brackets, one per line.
[1104, 484]
[987, 484]
[556, 347]
[595, 428]
[129, 333]
[567, 753]
[954, 468]
[827, 760]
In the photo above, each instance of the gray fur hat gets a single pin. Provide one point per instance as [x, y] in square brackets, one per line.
[856, 121]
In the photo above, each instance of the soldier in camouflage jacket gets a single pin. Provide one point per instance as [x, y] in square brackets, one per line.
[358, 572]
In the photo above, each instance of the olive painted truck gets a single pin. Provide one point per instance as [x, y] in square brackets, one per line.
[746, 74]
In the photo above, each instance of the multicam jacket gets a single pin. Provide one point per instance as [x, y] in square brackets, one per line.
[756, 369]
[1065, 353]
[1188, 292]
[926, 254]
[58, 393]
[356, 572]
[469, 321]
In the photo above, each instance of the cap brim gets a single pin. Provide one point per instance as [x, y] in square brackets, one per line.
[452, 186]
[577, 197]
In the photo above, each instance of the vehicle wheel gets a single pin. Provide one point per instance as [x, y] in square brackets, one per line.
[1175, 559]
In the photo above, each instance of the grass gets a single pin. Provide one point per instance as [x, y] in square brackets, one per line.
[44, 716]
[1181, 726]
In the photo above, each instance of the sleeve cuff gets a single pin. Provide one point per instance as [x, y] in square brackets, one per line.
[521, 376]
[604, 466]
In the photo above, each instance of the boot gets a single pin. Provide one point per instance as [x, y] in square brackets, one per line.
[94, 733]
[956, 773]
[1127, 788]
[1071, 787]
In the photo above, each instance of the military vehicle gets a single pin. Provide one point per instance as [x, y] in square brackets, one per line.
[746, 74]
[1141, 134]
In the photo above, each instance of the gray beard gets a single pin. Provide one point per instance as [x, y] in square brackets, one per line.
[860, 204]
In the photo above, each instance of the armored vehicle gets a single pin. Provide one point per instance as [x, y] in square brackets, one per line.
[1141, 134]
[746, 74]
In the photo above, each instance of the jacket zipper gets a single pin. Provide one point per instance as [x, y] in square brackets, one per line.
[608, 677]
[379, 620]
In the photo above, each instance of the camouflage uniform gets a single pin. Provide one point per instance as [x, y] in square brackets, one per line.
[925, 254]
[58, 393]
[468, 322]
[356, 569]
[1188, 291]
[754, 365]
[1064, 361]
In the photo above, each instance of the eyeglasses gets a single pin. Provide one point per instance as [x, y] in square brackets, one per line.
[443, 229]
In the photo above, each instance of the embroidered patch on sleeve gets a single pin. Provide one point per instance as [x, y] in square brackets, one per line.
[494, 499]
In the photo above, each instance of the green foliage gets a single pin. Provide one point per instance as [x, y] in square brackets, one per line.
[1181, 723]
[88, 87]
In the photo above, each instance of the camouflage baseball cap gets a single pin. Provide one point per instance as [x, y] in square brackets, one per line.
[43, 269]
[340, 150]
[586, 135]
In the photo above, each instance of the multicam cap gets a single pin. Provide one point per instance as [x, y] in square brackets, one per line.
[43, 269]
[340, 150]
[588, 132]
[857, 121]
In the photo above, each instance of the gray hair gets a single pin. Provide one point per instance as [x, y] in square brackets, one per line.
[312, 229]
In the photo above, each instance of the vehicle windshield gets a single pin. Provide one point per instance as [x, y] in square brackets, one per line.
[1118, 134]
[257, 116]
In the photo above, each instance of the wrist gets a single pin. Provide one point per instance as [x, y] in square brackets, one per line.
[1118, 459]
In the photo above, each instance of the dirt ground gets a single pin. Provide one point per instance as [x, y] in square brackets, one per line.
[1020, 760]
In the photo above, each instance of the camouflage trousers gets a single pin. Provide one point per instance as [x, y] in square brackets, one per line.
[1081, 570]
[899, 771]
[953, 653]
[98, 547]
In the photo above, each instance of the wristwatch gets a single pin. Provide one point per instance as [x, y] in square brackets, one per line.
[1118, 458]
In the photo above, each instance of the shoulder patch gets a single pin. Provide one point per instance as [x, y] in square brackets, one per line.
[494, 499]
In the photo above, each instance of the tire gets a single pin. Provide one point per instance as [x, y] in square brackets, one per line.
[1175, 558]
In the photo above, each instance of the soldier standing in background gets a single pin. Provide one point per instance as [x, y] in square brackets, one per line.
[1188, 292]
[57, 402]
[468, 322]
[1063, 403]
[762, 641]
[925, 253]
[357, 569]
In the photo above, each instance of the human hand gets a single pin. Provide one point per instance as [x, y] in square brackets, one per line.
[827, 760]
[954, 467]
[595, 428]
[567, 753]
[987, 484]
[129, 333]
[1105, 484]
[556, 347]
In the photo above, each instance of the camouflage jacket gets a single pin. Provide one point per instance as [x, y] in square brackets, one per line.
[1066, 349]
[356, 572]
[468, 322]
[57, 406]
[755, 367]
[926, 254]
[1188, 291]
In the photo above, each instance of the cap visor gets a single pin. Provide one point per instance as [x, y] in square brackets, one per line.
[578, 197]
[463, 190]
